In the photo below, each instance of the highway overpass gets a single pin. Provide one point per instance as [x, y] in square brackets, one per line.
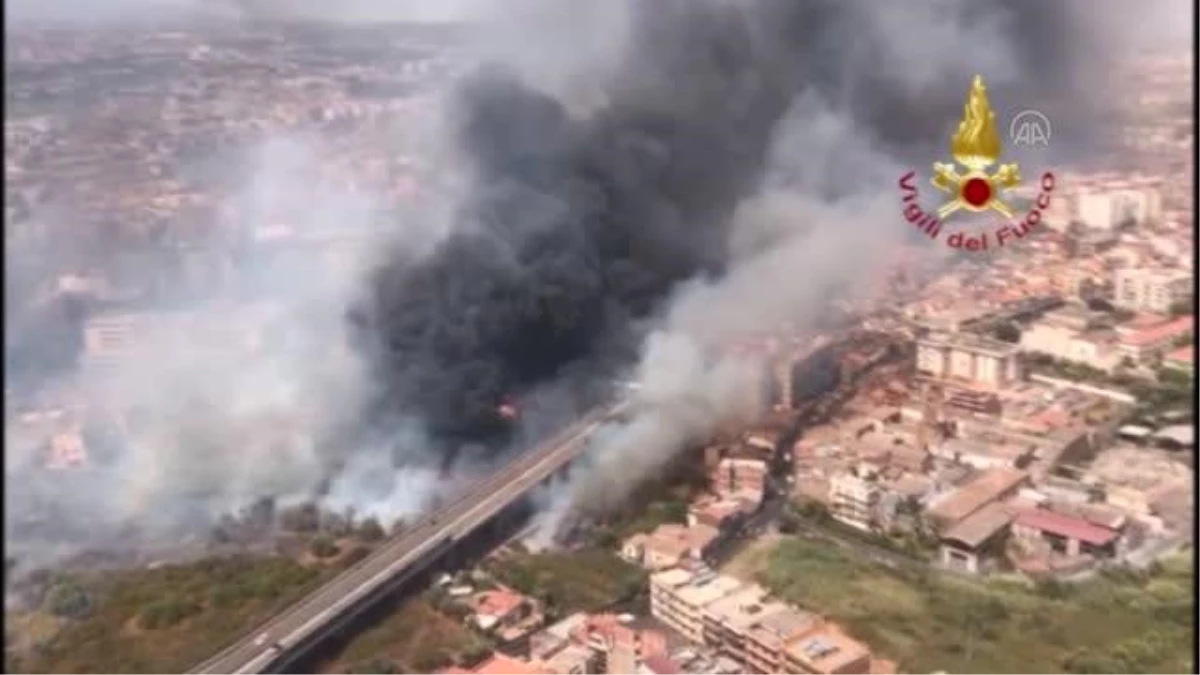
[290, 634]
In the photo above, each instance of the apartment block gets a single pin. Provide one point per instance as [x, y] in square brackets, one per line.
[744, 624]
[1150, 290]
[968, 358]
[827, 651]
[853, 499]
[678, 598]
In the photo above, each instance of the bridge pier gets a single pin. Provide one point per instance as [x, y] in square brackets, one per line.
[464, 553]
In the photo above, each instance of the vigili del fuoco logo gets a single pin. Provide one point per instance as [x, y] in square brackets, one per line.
[973, 186]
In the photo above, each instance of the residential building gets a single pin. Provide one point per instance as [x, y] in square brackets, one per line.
[1073, 334]
[1115, 208]
[678, 598]
[743, 624]
[1150, 290]
[827, 651]
[723, 514]
[969, 358]
[670, 544]
[728, 619]
[733, 476]
[1142, 341]
[505, 612]
[966, 545]
[1067, 534]
[990, 486]
[853, 498]
[767, 640]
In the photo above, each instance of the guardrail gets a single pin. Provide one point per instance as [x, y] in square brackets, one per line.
[403, 550]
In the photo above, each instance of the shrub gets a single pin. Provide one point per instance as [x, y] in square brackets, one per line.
[68, 600]
[370, 530]
[323, 547]
[1053, 589]
[301, 518]
[167, 612]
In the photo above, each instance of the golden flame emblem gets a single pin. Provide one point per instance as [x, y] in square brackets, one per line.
[976, 146]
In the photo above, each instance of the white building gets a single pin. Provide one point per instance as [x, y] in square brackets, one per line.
[1150, 290]
[1110, 209]
[1073, 334]
[969, 358]
[852, 500]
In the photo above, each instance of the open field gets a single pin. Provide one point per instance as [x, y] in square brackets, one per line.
[926, 621]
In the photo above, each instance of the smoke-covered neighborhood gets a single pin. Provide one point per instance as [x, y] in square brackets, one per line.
[517, 337]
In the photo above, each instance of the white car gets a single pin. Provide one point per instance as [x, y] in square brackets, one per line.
[261, 640]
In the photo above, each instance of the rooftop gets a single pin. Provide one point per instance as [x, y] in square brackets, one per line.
[829, 650]
[980, 526]
[740, 609]
[1185, 354]
[971, 342]
[1150, 336]
[973, 496]
[1066, 526]
[699, 593]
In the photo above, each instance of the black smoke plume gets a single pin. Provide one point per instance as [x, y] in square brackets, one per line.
[577, 227]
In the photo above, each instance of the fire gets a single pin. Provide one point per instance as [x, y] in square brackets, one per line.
[508, 410]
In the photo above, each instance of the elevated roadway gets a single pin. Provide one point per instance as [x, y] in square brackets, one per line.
[287, 635]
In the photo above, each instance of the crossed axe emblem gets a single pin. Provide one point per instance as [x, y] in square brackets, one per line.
[975, 190]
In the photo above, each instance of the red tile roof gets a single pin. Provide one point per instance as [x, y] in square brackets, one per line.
[498, 603]
[661, 664]
[1066, 526]
[1166, 331]
[1185, 354]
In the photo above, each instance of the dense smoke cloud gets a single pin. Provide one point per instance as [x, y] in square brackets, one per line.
[581, 225]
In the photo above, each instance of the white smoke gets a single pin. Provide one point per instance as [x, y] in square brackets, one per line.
[237, 399]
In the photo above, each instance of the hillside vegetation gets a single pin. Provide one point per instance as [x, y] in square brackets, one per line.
[927, 621]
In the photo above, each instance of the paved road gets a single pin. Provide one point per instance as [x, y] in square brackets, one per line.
[304, 620]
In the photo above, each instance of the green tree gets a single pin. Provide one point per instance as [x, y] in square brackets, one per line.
[1008, 332]
[69, 600]
[370, 530]
[301, 518]
[474, 654]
